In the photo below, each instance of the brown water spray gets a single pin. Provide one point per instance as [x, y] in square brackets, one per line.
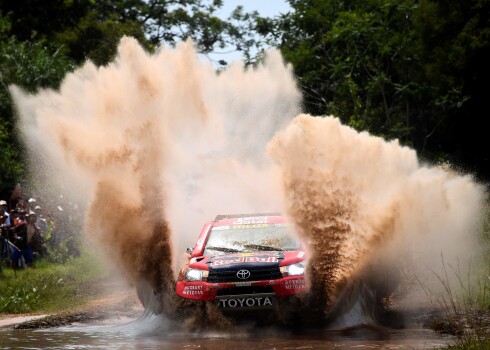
[370, 212]
[155, 145]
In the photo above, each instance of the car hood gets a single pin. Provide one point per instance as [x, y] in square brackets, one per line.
[248, 259]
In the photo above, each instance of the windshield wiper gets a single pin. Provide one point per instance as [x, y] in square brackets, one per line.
[262, 247]
[224, 249]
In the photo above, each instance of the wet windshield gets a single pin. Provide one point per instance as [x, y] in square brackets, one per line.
[251, 238]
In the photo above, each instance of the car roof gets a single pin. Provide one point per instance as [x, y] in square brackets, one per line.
[248, 219]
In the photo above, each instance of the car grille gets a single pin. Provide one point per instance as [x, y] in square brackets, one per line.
[244, 290]
[271, 273]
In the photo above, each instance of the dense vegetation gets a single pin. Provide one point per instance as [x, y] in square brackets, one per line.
[415, 70]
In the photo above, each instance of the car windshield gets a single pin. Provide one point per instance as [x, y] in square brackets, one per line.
[250, 238]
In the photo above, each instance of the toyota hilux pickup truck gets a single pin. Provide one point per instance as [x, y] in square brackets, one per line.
[244, 262]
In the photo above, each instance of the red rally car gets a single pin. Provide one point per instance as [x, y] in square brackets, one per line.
[244, 262]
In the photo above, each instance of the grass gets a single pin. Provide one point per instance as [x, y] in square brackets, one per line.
[467, 312]
[467, 304]
[470, 343]
[48, 286]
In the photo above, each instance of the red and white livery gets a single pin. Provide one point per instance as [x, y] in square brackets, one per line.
[244, 262]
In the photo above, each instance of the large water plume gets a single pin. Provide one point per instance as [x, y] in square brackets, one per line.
[370, 211]
[155, 145]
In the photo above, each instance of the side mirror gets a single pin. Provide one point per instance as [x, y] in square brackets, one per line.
[189, 250]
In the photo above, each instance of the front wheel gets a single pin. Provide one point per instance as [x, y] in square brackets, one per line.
[148, 298]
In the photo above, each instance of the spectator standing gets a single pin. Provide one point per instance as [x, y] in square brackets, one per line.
[20, 256]
[19, 217]
[50, 228]
[31, 202]
[4, 212]
[35, 241]
[5, 249]
[41, 220]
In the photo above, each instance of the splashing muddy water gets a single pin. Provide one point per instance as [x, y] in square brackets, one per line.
[372, 214]
[156, 145]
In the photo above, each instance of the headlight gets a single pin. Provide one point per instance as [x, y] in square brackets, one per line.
[294, 269]
[193, 275]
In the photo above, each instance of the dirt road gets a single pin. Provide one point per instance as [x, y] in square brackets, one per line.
[118, 304]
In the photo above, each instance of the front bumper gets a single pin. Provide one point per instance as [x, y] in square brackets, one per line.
[202, 290]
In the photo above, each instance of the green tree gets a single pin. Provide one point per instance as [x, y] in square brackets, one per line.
[406, 69]
[85, 29]
[455, 41]
[353, 59]
[41, 40]
[91, 29]
[31, 66]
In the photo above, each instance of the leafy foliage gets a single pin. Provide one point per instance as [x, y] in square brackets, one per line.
[455, 51]
[351, 66]
[92, 28]
[37, 51]
[406, 69]
[30, 65]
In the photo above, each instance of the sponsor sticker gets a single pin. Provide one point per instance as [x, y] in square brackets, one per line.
[243, 284]
[246, 259]
[250, 226]
[251, 220]
[192, 290]
[295, 284]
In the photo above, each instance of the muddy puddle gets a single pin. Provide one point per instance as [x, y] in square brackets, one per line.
[156, 333]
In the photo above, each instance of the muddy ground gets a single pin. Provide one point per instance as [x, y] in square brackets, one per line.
[121, 304]
[112, 300]
[108, 298]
